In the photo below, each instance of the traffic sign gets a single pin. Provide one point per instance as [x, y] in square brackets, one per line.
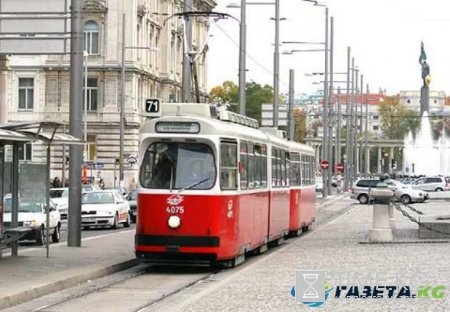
[152, 108]
[99, 166]
[407, 169]
[324, 164]
[340, 167]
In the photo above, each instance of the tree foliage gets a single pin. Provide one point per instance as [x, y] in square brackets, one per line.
[396, 119]
[300, 127]
[256, 95]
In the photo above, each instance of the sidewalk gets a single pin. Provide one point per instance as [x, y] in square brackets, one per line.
[339, 247]
[32, 275]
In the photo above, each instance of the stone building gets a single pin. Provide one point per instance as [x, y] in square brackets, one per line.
[38, 87]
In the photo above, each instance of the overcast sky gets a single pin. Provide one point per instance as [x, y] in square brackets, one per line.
[384, 36]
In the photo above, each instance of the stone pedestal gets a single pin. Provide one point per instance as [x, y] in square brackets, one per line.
[382, 231]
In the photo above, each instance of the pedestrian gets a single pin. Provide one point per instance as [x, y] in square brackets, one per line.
[101, 184]
[56, 182]
[66, 183]
[132, 186]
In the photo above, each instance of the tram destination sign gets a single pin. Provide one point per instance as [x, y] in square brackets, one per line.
[177, 127]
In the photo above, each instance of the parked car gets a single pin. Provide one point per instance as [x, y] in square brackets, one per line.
[90, 188]
[132, 199]
[122, 190]
[104, 208]
[431, 184]
[360, 190]
[33, 216]
[60, 197]
[406, 194]
[319, 185]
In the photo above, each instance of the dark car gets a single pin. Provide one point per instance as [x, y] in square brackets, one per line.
[132, 199]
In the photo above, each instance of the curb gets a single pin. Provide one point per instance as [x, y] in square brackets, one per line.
[55, 286]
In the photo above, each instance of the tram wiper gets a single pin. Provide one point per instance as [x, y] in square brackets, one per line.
[194, 184]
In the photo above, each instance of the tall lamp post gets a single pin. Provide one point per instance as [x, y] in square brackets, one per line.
[243, 49]
[85, 154]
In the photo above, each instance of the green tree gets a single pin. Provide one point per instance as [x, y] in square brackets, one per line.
[256, 95]
[300, 127]
[396, 120]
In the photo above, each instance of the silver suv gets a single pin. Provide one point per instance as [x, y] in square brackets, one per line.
[431, 184]
[361, 190]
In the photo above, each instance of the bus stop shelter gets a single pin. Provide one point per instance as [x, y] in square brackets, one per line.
[15, 135]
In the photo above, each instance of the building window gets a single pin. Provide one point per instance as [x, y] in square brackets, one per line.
[375, 117]
[376, 128]
[435, 101]
[26, 152]
[26, 93]
[91, 146]
[408, 101]
[91, 32]
[92, 94]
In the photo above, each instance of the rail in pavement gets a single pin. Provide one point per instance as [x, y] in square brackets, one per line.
[32, 275]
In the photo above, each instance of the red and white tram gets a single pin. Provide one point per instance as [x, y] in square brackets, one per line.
[214, 187]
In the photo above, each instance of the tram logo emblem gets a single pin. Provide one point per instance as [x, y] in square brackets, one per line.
[175, 200]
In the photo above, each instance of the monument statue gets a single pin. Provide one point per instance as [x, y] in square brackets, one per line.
[424, 91]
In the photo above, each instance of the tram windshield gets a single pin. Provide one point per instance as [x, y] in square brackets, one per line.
[177, 165]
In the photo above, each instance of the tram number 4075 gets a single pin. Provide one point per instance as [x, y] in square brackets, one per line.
[175, 209]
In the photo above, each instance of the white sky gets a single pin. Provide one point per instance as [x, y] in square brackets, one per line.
[384, 36]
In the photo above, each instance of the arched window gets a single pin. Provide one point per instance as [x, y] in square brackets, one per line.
[91, 31]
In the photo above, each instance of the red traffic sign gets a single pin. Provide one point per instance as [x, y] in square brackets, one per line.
[324, 164]
[340, 167]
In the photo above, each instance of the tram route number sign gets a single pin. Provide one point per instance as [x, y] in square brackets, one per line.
[152, 108]
[324, 164]
[340, 167]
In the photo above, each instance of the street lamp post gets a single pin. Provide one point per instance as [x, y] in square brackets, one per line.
[325, 140]
[347, 124]
[86, 54]
[276, 69]
[330, 105]
[242, 59]
[361, 159]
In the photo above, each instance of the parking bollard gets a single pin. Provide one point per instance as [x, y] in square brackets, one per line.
[391, 216]
[382, 196]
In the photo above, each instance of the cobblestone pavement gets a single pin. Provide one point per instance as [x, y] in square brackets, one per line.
[339, 246]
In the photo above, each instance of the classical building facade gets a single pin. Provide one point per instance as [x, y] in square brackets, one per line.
[38, 87]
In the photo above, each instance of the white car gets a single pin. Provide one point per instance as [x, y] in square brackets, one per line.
[33, 216]
[105, 209]
[319, 185]
[60, 197]
[406, 194]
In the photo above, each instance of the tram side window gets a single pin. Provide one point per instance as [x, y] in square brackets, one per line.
[295, 170]
[264, 166]
[274, 167]
[251, 165]
[244, 164]
[283, 167]
[311, 168]
[228, 166]
[304, 171]
[257, 166]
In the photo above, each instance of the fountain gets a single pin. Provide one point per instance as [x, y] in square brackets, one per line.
[424, 155]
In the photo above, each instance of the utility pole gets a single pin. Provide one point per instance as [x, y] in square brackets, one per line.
[276, 65]
[76, 121]
[187, 74]
[122, 105]
[330, 109]
[325, 140]
[366, 148]
[351, 146]
[361, 159]
[338, 128]
[355, 134]
[242, 58]
[291, 106]
[347, 127]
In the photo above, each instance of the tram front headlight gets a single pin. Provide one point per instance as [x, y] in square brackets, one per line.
[174, 222]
